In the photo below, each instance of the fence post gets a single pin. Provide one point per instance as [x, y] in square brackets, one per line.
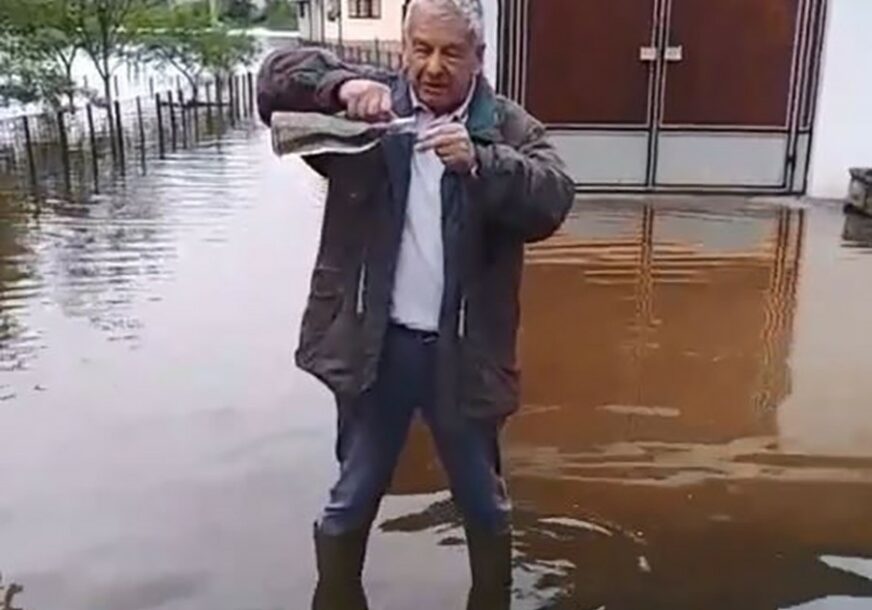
[141, 132]
[95, 167]
[209, 125]
[243, 94]
[28, 141]
[184, 118]
[172, 120]
[195, 107]
[238, 92]
[232, 100]
[251, 100]
[110, 124]
[118, 125]
[65, 149]
[161, 146]
[377, 50]
[219, 93]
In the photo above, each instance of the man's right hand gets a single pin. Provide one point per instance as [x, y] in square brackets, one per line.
[366, 100]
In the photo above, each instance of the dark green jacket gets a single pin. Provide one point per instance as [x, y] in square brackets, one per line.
[520, 194]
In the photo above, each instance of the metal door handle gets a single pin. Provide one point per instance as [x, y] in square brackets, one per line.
[674, 54]
[647, 53]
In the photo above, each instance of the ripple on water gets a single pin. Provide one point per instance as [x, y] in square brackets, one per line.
[98, 257]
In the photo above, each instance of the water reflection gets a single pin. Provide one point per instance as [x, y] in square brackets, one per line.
[95, 257]
[15, 284]
[647, 465]
[696, 431]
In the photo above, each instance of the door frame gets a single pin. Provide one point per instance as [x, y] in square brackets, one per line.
[512, 81]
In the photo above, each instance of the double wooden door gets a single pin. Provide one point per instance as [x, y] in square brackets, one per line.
[703, 95]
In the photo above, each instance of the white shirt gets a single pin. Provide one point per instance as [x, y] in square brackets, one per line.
[420, 276]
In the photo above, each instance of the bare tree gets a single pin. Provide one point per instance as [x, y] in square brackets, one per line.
[105, 32]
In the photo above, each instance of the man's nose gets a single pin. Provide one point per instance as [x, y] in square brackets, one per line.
[435, 65]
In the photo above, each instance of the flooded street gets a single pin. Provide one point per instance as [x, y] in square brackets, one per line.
[697, 429]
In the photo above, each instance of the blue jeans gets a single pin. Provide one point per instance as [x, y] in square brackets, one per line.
[373, 430]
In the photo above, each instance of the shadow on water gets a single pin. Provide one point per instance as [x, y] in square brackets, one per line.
[648, 466]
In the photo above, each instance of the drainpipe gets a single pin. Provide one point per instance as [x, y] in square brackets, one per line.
[339, 22]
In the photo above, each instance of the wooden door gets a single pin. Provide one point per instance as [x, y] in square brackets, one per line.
[698, 95]
[728, 91]
[736, 63]
[601, 79]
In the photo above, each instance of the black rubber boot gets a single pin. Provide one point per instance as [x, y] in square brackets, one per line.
[340, 567]
[490, 559]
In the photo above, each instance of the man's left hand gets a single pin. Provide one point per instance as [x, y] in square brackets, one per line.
[452, 143]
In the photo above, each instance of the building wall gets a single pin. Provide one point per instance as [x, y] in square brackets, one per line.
[843, 127]
[311, 19]
[388, 28]
[304, 21]
[491, 23]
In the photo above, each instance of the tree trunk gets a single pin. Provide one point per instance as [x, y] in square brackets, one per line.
[106, 75]
[107, 92]
[68, 73]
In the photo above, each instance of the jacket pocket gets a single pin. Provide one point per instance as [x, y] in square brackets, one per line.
[323, 308]
[488, 388]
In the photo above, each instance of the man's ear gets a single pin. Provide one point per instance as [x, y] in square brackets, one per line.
[479, 53]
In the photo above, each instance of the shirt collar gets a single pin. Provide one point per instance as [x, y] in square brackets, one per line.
[461, 113]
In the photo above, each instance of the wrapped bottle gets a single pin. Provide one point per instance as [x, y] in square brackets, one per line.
[308, 133]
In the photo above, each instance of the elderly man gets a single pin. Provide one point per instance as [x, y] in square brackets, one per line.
[414, 296]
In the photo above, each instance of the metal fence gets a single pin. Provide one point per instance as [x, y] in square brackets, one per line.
[375, 52]
[82, 147]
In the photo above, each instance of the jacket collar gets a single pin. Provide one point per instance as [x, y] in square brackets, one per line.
[482, 118]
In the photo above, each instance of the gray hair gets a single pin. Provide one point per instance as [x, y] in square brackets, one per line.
[470, 10]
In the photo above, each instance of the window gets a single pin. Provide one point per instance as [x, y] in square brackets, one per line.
[364, 9]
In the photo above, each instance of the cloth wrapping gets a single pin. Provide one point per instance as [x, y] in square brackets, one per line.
[310, 133]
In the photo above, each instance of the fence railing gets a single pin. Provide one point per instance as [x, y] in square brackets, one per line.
[83, 144]
[374, 53]
[93, 142]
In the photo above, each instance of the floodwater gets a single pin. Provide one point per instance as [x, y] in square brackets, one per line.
[697, 428]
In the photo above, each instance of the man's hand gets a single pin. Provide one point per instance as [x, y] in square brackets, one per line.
[452, 143]
[366, 100]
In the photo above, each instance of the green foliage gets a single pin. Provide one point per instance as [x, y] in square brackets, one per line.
[26, 80]
[39, 40]
[37, 51]
[238, 12]
[183, 37]
[280, 15]
[106, 31]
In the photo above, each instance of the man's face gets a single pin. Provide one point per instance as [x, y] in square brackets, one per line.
[441, 57]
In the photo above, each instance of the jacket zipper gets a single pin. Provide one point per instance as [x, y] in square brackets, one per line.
[461, 318]
[361, 289]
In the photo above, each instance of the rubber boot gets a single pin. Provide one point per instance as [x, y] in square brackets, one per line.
[490, 559]
[340, 568]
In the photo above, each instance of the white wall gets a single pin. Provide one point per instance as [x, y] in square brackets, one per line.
[389, 28]
[491, 23]
[843, 128]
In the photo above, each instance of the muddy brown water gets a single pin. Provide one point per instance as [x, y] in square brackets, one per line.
[697, 428]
